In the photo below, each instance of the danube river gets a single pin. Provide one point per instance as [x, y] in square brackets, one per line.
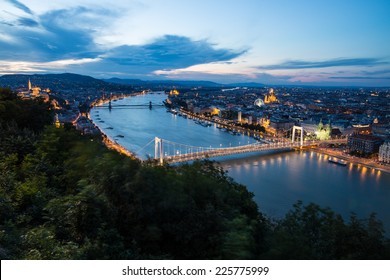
[278, 180]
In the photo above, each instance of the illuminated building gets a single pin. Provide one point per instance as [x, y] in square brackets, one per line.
[384, 153]
[323, 132]
[215, 111]
[362, 128]
[174, 92]
[239, 116]
[270, 97]
[34, 92]
[264, 122]
[259, 102]
[57, 122]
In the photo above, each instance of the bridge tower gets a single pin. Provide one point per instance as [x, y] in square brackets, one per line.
[158, 147]
[299, 128]
[109, 103]
[150, 105]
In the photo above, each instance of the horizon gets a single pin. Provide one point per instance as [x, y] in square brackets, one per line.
[205, 81]
[325, 43]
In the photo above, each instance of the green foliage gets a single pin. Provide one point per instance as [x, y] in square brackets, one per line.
[30, 114]
[252, 126]
[312, 232]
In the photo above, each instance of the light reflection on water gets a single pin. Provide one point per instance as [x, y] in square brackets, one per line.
[309, 177]
[278, 180]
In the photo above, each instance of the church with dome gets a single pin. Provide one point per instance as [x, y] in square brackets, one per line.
[270, 97]
[259, 102]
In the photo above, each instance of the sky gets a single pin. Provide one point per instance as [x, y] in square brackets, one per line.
[278, 42]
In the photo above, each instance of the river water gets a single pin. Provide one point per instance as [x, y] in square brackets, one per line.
[278, 180]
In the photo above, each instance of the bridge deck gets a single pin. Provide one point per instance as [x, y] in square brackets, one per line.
[130, 105]
[244, 149]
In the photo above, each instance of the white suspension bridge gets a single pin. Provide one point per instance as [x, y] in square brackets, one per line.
[166, 151]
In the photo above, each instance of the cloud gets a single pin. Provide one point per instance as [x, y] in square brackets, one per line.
[170, 52]
[166, 53]
[73, 33]
[27, 22]
[6, 23]
[301, 64]
[56, 35]
[39, 42]
[7, 67]
[358, 78]
[20, 6]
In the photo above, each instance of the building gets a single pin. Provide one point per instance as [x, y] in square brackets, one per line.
[384, 153]
[174, 92]
[278, 126]
[364, 144]
[270, 97]
[381, 130]
[34, 92]
[362, 128]
[259, 102]
[239, 116]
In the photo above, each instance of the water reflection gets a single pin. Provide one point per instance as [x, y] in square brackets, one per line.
[363, 173]
[345, 189]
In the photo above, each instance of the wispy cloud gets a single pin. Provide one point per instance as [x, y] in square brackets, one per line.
[7, 67]
[20, 6]
[23, 21]
[302, 64]
[358, 78]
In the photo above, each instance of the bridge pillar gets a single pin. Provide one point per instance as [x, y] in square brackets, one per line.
[158, 147]
[150, 105]
[299, 128]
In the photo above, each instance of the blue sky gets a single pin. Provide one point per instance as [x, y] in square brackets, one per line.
[322, 42]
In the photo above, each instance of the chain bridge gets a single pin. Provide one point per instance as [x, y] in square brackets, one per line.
[111, 105]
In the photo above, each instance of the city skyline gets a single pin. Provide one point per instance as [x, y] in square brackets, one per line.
[340, 43]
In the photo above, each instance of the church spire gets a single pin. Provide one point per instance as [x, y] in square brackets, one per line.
[57, 122]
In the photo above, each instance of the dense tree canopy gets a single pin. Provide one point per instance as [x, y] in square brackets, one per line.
[66, 196]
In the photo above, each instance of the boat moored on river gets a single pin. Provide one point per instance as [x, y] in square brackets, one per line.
[337, 161]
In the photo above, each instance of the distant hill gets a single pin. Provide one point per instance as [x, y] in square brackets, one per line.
[59, 82]
[169, 83]
[65, 81]
[249, 84]
[180, 83]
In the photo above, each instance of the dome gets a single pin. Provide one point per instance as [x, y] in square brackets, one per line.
[259, 102]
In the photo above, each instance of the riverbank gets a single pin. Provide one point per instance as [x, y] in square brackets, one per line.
[351, 159]
[107, 141]
[231, 126]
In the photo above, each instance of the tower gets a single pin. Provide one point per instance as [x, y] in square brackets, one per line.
[57, 122]
[29, 85]
[299, 128]
[158, 147]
